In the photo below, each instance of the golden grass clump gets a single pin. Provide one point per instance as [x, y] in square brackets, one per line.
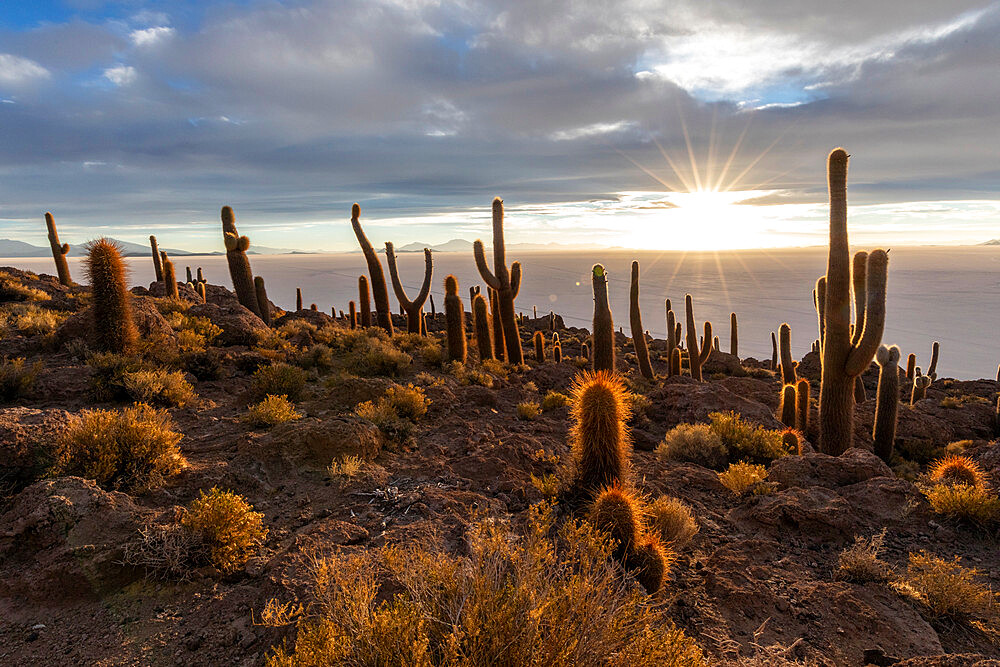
[528, 410]
[17, 378]
[860, 563]
[409, 402]
[271, 411]
[396, 412]
[226, 526]
[972, 504]
[29, 320]
[743, 478]
[745, 441]
[130, 449]
[948, 590]
[158, 387]
[278, 380]
[550, 597]
[348, 467]
[553, 400]
[957, 470]
[672, 520]
[694, 443]
[599, 437]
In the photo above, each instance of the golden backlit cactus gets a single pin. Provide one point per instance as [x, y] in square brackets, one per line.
[414, 308]
[114, 329]
[635, 323]
[802, 395]
[364, 303]
[298, 299]
[696, 357]
[539, 341]
[239, 264]
[734, 340]
[263, 305]
[157, 264]
[169, 277]
[599, 437]
[499, 345]
[786, 410]
[454, 315]
[649, 562]
[932, 369]
[481, 325]
[380, 293]
[604, 328]
[619, 512]
[919, 391]
[958, 470]
[59, 251]
[506, 283]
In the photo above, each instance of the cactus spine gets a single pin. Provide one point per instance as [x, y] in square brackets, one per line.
[785, 351]
[114, 328]
[598, 437]
[499, 346]
[886, 401]
[696, 357]
[262, 303]
[507, 284]
[239, 265]
[604, 328]
[481, 322]
[734, 341]
[539, 341]
[383, 314]
[802, 391]
[845, 358]
[59, 251]
[414, 308]
[932, 369]
[919, 392]
[157, 264]
[169, 277]
[635, 323]
[455, 317]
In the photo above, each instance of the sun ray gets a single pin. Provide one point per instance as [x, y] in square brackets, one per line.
[688, 186]
[690, 149]
[658, 179]
[732, 156]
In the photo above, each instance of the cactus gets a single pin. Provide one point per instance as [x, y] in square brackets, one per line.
[635, 322]
[791, 441]
[157, 264]
[298, 299]
[58, 251]
[433, 309]
[539, 341]
[802, 391]
[507, 284]
[648, 562]
[585, 351]
[455, 318]
[715, 344]
[932, 369]
[263, 306]
[677, 333]
[860, 395]
[846, 357]
[604, 328]
[911, 366]
[819, 301]
[696, 357]
[201, 276]
[169, 277]
[481, 323]
[557, 352]
[239, 265]
[785, 352]
[413, 309]
[113, 327]
[383, 314]
[675, 361]
[499, 346]
[734, 342]
[671, 337]
[619, 513]
[919, 392]
[201, 292]
[313, 307]
[423, 324]
[774, 352]
[352, 315]
[886, 401]
[598, 436]
[190, 278]
[786, 411]
[364, 303]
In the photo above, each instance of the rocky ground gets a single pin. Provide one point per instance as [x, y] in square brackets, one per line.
[759, 573]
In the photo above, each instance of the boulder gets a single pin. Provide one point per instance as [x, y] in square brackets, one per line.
[239, 326]
[148, 320]
[855, 465]
[318, 442]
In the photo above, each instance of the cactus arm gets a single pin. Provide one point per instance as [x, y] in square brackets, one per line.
[861, 355]
[858, 278]
[425, 289]
[932, 369]
[484, 268]
[821, 307]
[397, 286]
[499, 250]
[379, 293]
[691, 336]
[515, 278]
[706, 350]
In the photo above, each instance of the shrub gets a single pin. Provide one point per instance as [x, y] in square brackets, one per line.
[384, 416]
[194, 333]
[17, 378]
[746, 441]
[30, 320]
[409, 402]
[947, 589]
[742, 478]
[318, 356]
[554, 400]
[130, 449]
[673, 521]
[860, 562]
[694, 443]
[370, 352]
[957, 470]
[974, 504]
[349, 467]
[227, 528]
[271, 411]
[204, 365]
[279, 380]
[530, 387]
[639, 404]
[528, 410]
[496, 367]
[547, 484]
[543, 599]
[158, 387]
[12, 289]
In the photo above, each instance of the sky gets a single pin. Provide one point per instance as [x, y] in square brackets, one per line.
[689, 124]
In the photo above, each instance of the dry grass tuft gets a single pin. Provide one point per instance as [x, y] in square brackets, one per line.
[17, 378]
[745, 478]
[278, 380]
[745, 441]
[694, 443]
[226, 527]
[528, 410]
[948, 590]
[973, 504]
[672, 520]
[271, 411]
[860, 562]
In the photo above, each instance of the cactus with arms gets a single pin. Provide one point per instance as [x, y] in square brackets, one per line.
[239, 265]
[379, 291]
[506, 283]
[59, 251]
[415, 307]
[696, 357]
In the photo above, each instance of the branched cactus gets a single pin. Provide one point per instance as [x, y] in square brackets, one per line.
[59, 251]
[604, 328]
[364, 303]
[169, 277]
[785, 352]
[379, 291]
[263, 306]
[413, 309]
[599, 437]
[786, 411]
[734, 341]
[846, 357]
[696, 357]
[114, 328]
[455, 318]
[239, 265]
[635, 322]
[481, 323]
[920, 384]
[932, 369]
[886, 401]
[539, 341]
[157, 264]
[499, 346]
[802, 392]
[507, 284]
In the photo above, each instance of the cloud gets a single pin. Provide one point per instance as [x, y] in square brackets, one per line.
[151, 36]
[16, 70]
[121, 75]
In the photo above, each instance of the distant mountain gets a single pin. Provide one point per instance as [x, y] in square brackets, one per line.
[993, 242]
[462, 245]
[13, 248]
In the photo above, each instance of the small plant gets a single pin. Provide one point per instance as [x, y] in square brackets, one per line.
[130, 449]
[409, 402]
[158, 387]
[279, 379]
[495, 367]
[530, 387]
[528, 410]
[957, 470]
[553, 400]
[744, 478]
[672, 520]
[948, 590]
[395, 412]
[29, 320]
[17, 378]
[860, 562]
[547, 485]
[349, 467]
[694, 443]
[746, 441]
[227, 528]
[973, 504]
[317, 356]
[271, 411]
[373, 356]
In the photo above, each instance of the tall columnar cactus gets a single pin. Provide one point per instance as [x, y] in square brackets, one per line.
[113, 327]
[911, 366]
[886, 401]
[352, 315]
[380, 292]
[239, 265]
[585, 351]
[157, 264]
[845, 358]
[677, 334]
[675, 361]
[786, 411]
[190, 278]
[201, 276]
[932, 369]
[919, 392]
[481, 323]
[716, 347]
[455, 318]
[499, 345]
[774, 352]
[433, 309]
[785, 352]
[59, 251]
[604, 328]
[364, 303]
[507, 284]
[635, 323]
[802, 391]
[169, 277]
[598, 436]
[298, 299]
[201, 292]
[556, 349]
[734, 341]
[263, 306]
[539, 341]
[819, 300]
[413, 309]
[696, 357]
[672, 341]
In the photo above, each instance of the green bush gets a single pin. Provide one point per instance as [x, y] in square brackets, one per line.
[745, 441]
